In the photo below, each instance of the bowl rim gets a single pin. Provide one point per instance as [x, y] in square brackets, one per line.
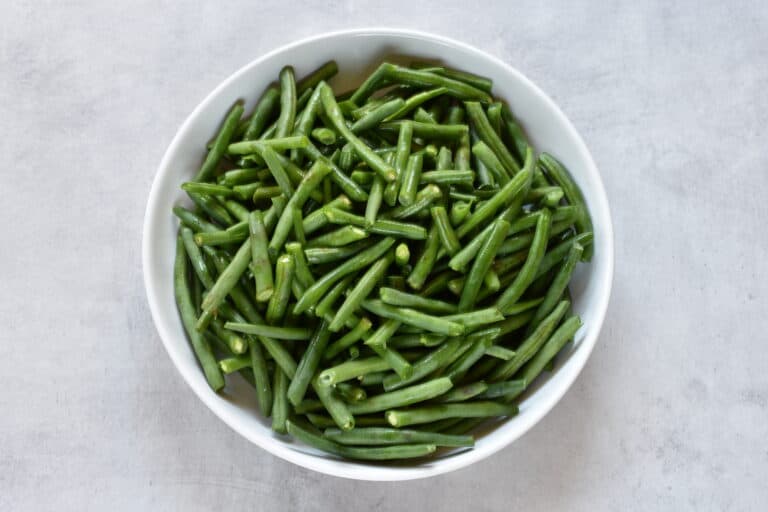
[350, 469]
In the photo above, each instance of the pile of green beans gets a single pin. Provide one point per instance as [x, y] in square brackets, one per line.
[387, 267]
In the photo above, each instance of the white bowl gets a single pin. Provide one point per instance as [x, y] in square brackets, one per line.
[357, 53]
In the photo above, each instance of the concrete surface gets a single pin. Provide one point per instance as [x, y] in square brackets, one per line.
[671, 412]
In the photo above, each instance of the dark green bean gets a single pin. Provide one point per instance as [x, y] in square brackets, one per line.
[378, 436]
[532, 344]
[402, 299]
[278, 303]
[362, 289]
[308, 364]
[486, 133]
[220, 144]
[336, 117]
[426, 261]
[412, 416]
[573, 194]
[322, 285]
[323, 73]
[528, 272]
[369, 453]
[444, 229]
[482, 265]
[280, 402]
[410, 179]
[262, 268]
[550, 349]
[415, 318]
[200, 346]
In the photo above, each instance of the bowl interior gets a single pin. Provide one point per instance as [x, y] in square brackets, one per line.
[357, 53]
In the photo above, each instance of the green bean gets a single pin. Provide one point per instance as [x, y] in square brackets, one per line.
[412, 416]
[428, 131]
[363, 177]
[426, 261]
[363, 259]
[196, 258]
[288, 95]
[500, 352]
[415, 318]
[308, 405]
[402, 154]
[284, 271]
[335, 116]
[207, 188]
[349, 339]
[573, 194]
[321, 255]
[262, 113]
[402, 299]
[280, 333]
[426, 365]
[377, 342]
[324, 72]
[380, 227]
[507, 390]
[248, 147]
[324, 136]
[437, 284]
[312, 179]
[515, 137]
[212, 206]
[317, 218]
[298, 226]
[194, 221]
[410, 179]
[559, 284]
[482, 264]
[416, 78]
[352, 370]
[233, 364]
[558, 252]
[444, 229]
[261, 377]
[262, 268]
[416, 100]
[423, 117]
[424, 198]
[464, 393]
[550, 349]
[486, 155]
[236, 343]
[362, 289]
[372, 379]
[378, 114]
[528, 272]
[349, 187]
[262, 192]
[245, 192]
[370, 453]
[339, 238]
[377, 436]
[516, 186]
[243, 176]
[277, 170]
[308, 364]
[333, 404]
[402, 397]
[476, 318]
[200, 346]
[448, 177]
[351, 392]
[402, 254]
[532, 344]
[280, 402]
[375, 198]
[227, 280]
[480, 82]
[477, 350]
[220, 144]
[486, 133]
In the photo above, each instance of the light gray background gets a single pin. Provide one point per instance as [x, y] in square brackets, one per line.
[670, 413]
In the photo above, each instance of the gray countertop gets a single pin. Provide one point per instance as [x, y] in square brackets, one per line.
[671, 411]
